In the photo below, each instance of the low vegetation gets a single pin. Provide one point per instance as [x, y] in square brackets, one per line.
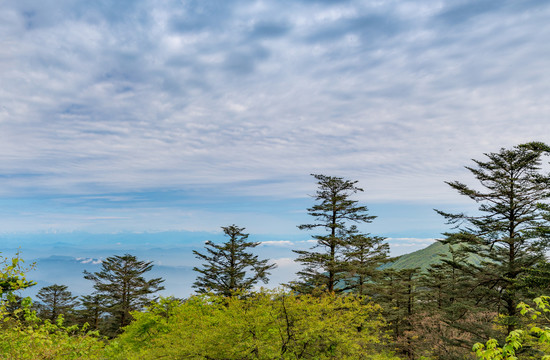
[264, 325]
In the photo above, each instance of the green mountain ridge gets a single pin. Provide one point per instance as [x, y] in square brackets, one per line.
[423, 258]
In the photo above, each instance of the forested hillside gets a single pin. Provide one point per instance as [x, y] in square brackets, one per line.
[425, 258]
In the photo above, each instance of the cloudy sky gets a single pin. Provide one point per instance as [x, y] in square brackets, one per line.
[155, 116]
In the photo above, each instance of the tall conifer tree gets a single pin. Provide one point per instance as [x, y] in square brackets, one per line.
[55, 300]
[363, 254]
[448, 309]
[398, 293]
[229, 267]
[512, 230]
[334, 213]
[122, 286]
[92, 311]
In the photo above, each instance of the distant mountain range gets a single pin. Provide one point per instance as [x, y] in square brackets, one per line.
[68, 270]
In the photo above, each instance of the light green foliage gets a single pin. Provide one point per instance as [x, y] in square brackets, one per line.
[266, 325]
[491, 350]
[24, 336]
[534, 338]
[12, 277]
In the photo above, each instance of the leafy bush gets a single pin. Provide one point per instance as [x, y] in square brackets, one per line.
[265, 325]
[530, 342]
[24, 336]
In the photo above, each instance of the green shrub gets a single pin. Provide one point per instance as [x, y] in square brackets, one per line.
[265, 325]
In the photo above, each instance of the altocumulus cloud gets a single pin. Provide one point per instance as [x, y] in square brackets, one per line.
[136, 96]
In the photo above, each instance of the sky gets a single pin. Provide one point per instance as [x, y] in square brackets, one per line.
[155, 117]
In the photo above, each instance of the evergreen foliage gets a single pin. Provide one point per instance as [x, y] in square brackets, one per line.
[333, 212]
[512, 232]
[124, 289]
[537, 280]
[56, 300]
[449, 319]
[92, 311]
[229, 267]
[398, 294]
[362, 255]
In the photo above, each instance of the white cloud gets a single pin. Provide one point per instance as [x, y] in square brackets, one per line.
[96, 100]
[285, 243]
[285, 262]
[89, 261]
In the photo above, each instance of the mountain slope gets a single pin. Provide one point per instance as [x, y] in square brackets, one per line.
[423, 258]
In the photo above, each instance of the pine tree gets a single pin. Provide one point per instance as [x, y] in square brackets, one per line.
[334, 211]
[55, 300]
[92, 310]
[446, 282]
[448, 309]
[397, 294]
[363, 254]
[537, 280]
[124, 288]
[511, 232]
[229, 267]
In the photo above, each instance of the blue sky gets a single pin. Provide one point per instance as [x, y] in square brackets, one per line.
[163, 116]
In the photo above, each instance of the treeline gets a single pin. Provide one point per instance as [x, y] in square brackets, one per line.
[119, 289]
[343, 305]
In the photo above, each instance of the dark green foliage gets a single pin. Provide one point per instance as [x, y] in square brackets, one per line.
[446, 281]
[428, 309]
[229, 267]
[398, 296]
[511, 233]
[333, 213]
[363, 254]
[537, 280]
[92, 311]
[123, 287]
[10, 284]
[56, 300]
[451, 300]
